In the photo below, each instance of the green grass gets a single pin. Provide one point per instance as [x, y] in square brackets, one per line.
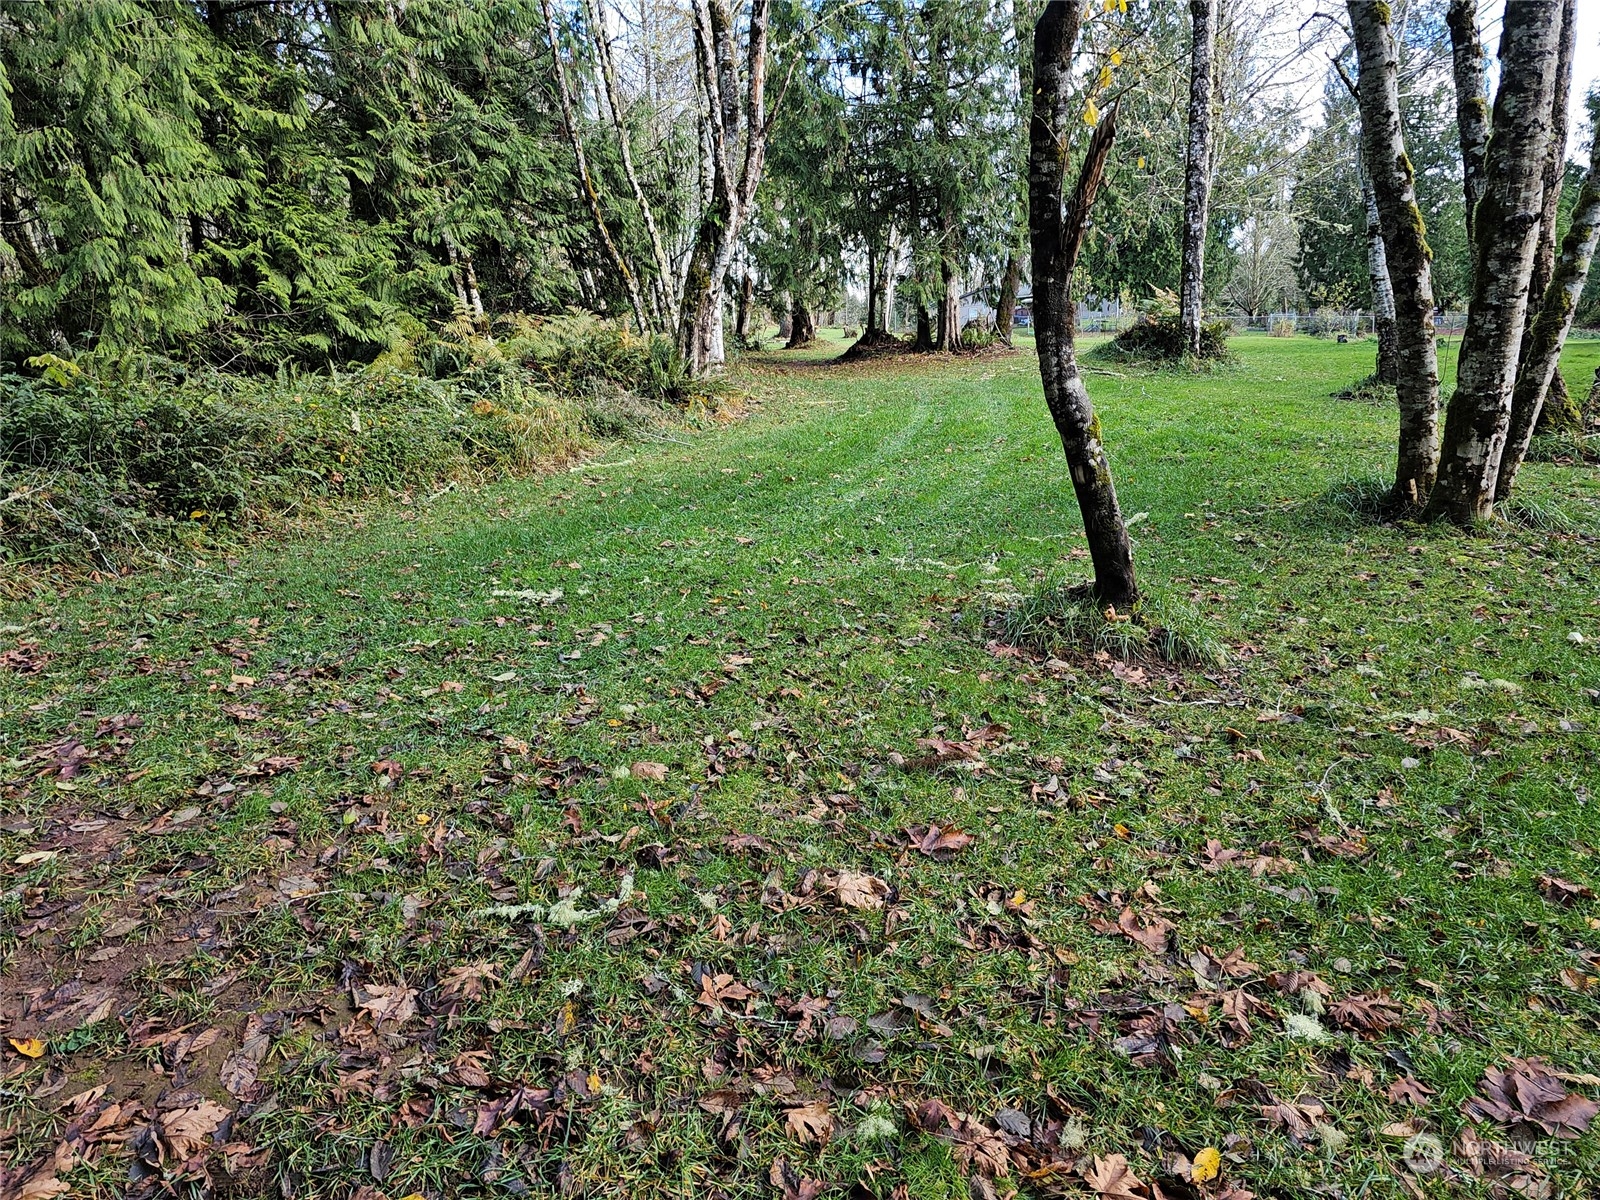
[1401, 736]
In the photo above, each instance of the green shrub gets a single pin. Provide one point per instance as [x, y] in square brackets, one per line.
[1161, 339]
[103, 460]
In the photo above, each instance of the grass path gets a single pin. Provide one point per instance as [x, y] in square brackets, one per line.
[573, 835]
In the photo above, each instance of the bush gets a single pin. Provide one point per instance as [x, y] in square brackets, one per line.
[113, 458]
[1160, 338]
[1282, 327]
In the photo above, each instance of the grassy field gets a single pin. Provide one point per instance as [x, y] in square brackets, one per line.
[680, 826]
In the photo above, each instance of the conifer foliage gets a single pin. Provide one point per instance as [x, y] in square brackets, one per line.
[254, 181]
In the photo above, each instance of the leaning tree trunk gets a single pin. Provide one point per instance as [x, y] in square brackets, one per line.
[1005, 313]
[1547, 333]
[1472, 104]
[663, 297]
[586, 184]
[1555, 170]
[1507, 228]
[1056, 233]
[1406, 247]
[1197, 175]
[1382, 289]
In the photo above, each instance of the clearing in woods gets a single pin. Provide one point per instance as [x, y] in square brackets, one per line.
[680, 826]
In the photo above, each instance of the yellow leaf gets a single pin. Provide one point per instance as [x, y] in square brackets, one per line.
[1116, 58]
[1141, 162]
[1122, 7]
[594, 1081]
[1091, 113]
[1122, 830]
[1105, 77]
[1207, 1165]
[414, 1196]
[28, 1047]
[424, 818]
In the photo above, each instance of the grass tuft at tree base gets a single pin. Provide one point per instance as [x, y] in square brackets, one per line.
[1061, 618]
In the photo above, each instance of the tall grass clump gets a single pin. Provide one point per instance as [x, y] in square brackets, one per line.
[1061, 617]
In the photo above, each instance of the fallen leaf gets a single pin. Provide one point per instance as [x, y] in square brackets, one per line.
[1207, 1165]
[1113, 1179]
[935, 841]
[387, 1002]
[791, 1185]
[186, 1132]
[857, 889]
[28, 1047]
[1528, 1098]
[649, 770]
[810, 1122]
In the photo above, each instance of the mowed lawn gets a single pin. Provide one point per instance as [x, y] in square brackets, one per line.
[679, 826]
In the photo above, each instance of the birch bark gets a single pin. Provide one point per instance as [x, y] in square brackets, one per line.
[1406, 249]
[1197, 174]
[1506, 223]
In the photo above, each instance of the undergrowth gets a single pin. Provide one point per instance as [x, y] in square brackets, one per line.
[105, 462]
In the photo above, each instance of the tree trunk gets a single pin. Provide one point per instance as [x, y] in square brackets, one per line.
[1382, 290]
[1547, 332]
[949, 335]
[924, 339]
[1197, 174]
[664, 298]
[802, 326]
[1560, 412]
[585, 180]
[1406, 249]
[1056, 235]
[1472, 104]
[870, 326]
[732, 193]
[1555, 170]
[1507, 225]
[785, 319]
[1005, 312]
[891, 266]
[747, 297]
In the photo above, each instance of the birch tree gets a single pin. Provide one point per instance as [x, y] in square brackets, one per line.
[1506, 228]
[1405, 247]
[1056, 225]
[1472, 102]
[1544, 255]
[735, 115]
[1547, 332]
[1197, 173]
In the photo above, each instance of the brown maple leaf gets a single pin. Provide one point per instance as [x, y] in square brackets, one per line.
[1371, 1014]
[857, 889]
[810, 1122]
[1563, 891]
[186, 1132]
[1151, 934]
[936, 841]
[387, 1002]
[791, 1185]
[1527, 1097]
[1113, 1179]
[469, 981]
[1407, 1090]
[718, 992]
